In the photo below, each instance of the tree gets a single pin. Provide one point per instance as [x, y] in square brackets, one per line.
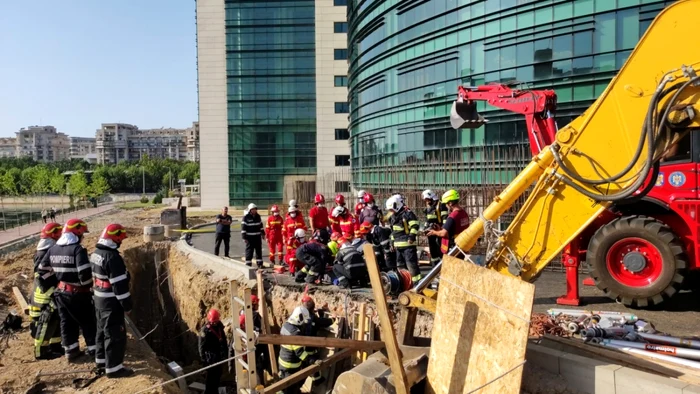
[99, 186]
[78, 185]
[8, 187]
[41, 183]
[57, 182]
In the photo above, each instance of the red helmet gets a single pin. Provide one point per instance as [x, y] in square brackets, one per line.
[306, 298]
[115, 232]
[359, 207]
[319, 199]
[335, 236]
[75, 226]
[51, 230]
[213, 316]
[241, 321]
[348, 236]
[366, 228]
[275, 208]
[254, 299]
[368, 198]
[340, 199]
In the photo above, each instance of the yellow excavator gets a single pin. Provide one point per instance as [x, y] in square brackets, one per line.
[602, 183]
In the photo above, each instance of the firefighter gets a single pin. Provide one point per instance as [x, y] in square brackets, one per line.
[358, 209]
[318, 321]
[68, 261]
[262, 355]
[404, 226]
[293, 357]
[361, 197]
[253, 235]
[213, 348]
[334, 222]
[294, 242]
[349, 267]
[273, 232]
[455, 223]
[361, 239]
[346, 222]
[112, 300]
[314, 256]
[380, 237]
[318, 215]
[435, 213]
[333, 244]
[293, 222]
[370, 213]
[45, 325]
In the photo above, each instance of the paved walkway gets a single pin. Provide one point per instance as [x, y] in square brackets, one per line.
[17, 233]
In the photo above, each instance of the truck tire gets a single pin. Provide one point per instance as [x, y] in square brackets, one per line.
[637, 260]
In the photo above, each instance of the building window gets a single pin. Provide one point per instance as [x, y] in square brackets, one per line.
[340, 2]
[342, 108]
[342, 187]
[340, 54]
[341, 80]
[340, 27]
[342, 160]
[342, 134]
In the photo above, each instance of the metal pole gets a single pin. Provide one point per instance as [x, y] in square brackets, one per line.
[143, 172]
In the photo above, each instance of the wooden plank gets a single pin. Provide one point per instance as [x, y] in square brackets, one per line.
[480, 330]
[237, 345]
[20, 300]
[308, 371]
[361, 329]
[250, 340]
[385, 321]
[301, 340]
[266, 323]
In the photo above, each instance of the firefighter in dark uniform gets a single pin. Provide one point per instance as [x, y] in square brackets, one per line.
[315, 256]
[69, 261]
[293, 357]
[404, 226]
[350, 267]
[435, 214]
[45, 325]
[253, 235]
[380, 238]
[213, 348]
[318, 322]
[112, 299]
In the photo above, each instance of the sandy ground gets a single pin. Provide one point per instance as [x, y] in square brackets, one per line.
[17, 365]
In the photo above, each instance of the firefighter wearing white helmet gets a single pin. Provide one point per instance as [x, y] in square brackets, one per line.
[294, 207]
[253, 235]
[404, 233]
[436, 213]
[293, 358]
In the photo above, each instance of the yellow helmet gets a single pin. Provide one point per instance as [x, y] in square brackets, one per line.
[450, 195]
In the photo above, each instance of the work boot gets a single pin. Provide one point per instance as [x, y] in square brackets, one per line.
[74, 356]
[91, 353]
[49, 355]
[122, 373]
[57, 348]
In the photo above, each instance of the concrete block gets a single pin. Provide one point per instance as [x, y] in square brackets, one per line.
[691, 389]
[588, 375]
[628, 380]
[543, 357]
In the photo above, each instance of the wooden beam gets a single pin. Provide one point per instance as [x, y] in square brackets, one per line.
[308, 371]
[20, 300]
[361, 330]
[300, 340]
[388, 335]
[266, 324]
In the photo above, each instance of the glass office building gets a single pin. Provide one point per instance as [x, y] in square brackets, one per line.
[406, 60]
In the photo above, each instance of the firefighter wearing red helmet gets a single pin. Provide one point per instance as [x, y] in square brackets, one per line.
[213, 348]
[42, 310]
[68, 261]
[112, 300]
[318, 215]
[370, 213]
[273, 232]
[332, 220]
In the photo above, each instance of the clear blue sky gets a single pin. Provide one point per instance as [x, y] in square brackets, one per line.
[75, 64]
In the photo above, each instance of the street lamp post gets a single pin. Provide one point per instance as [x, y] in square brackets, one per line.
[143, 173]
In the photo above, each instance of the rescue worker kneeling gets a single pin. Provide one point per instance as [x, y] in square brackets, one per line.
[315, 256]
[350, 267]
[293, 357]
[46, 325]
[112, 301]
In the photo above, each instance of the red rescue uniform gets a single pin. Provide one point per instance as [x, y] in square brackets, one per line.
[348, 224]
[319, 217]
[275, 239]
[291, 256]
[456, 222]
[291, 224]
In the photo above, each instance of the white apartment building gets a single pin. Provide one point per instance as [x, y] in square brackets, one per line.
[82, 148]
[193, 142]
[111, 142]
[116, 142]
[8, 147]
[42, 143]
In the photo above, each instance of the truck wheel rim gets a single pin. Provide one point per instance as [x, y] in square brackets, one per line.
[634, 262]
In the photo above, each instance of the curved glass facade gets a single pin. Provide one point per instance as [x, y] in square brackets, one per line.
[408, 57]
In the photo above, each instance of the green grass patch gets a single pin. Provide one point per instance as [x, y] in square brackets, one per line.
[140, 205]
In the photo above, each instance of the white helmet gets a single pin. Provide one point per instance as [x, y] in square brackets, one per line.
[300, 233]
[337, 211]
[429, 195]
[299, 316]
[291, 209]
[394, 203]
[292, 203]
[361, 194]
[252, 206]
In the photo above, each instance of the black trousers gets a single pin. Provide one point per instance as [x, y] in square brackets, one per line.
[47, 333]
[434, 246]
[296, 387]
[111, 338]
[390, 260]
[77, 312]
[408, 257]
[222, 237]
[213, 379]
[254, 244]
[354, 276]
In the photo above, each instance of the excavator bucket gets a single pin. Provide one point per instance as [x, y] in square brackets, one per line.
[465, 116]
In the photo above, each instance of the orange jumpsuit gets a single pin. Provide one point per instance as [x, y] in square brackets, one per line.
[291, 257]
[275, 239]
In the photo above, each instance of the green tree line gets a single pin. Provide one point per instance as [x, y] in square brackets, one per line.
[24, 177]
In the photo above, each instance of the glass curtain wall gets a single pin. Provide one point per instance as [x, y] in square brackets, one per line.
[270, 66]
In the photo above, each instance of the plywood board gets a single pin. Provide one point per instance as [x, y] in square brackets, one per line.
[480, 330]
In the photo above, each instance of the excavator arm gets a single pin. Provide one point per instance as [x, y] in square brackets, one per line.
[607, 155]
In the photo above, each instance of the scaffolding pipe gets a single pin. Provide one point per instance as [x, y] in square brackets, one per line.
[663, 357]
[668, 340]
[655, 348]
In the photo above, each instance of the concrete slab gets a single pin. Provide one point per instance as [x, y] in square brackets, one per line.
[628, 380]
[691, 389]
[544, 357]
[588, 375]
